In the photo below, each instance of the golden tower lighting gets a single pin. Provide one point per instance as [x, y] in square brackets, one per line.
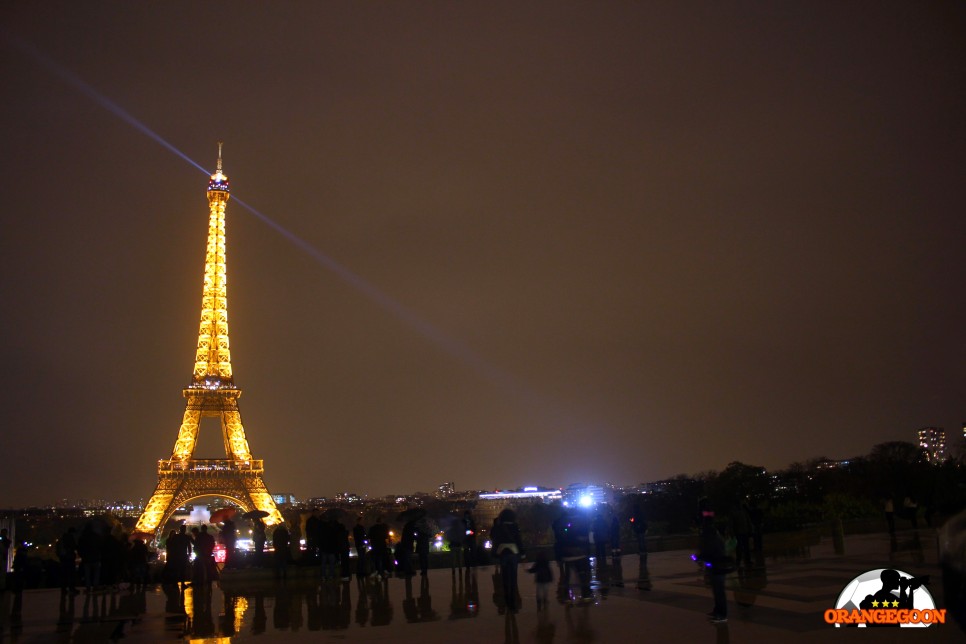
[212, 392]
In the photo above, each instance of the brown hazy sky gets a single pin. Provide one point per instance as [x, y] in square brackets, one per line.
[597, 241]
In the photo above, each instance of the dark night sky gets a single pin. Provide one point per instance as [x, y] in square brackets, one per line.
[639, 239]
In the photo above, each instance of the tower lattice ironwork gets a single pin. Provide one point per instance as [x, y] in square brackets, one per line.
[212, 392]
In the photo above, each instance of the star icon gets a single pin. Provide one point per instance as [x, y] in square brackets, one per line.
[875, 603]
[895, 603]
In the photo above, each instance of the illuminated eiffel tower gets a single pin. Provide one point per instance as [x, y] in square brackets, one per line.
[212, 392]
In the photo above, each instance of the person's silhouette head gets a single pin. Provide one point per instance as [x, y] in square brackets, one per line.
[890, 579]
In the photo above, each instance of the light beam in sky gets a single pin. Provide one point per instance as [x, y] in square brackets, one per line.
[423, 327]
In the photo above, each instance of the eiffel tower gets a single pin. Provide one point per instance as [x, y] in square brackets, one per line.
[212, 392]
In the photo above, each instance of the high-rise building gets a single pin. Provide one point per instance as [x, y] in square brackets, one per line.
[933, 440]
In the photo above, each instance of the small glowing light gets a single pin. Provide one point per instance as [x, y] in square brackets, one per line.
[586, 501]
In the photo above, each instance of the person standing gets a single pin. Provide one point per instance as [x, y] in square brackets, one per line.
[508, 546]
[280, 543]
[712, 553]
[138, 564]
[423, 535]
[469, 542]
[259, 538]
[359, 538]
[229, 537]
[342, 539]
[89, 549]
[543, 576]
[67, 557]
[178, 550]
[378, 541]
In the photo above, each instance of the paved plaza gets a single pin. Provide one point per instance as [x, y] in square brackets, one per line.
[784, 602]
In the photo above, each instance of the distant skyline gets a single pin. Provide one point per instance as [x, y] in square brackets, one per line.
[495, 244]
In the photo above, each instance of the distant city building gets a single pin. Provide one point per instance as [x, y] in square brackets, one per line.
[445, 490]
[585, 495]
[933, 440]
[832, 465]
[284, 498]
[531, 492]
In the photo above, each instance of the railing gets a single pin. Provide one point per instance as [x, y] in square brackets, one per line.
[209, 466]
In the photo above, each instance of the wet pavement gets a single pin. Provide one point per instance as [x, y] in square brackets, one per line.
[782, 600]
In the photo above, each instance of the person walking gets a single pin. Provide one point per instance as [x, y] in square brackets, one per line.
[508, 547]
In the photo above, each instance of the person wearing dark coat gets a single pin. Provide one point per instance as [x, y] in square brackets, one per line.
[89, 548]
[543, 576]
[67, 556]
[379, 542]
[229, 536]
[258, 539]
[360, 540]
[404, 550]
[423, 537]
[280, 543]
[178, 550]
[342, 539]
[329, 548]
[712, 554]
[508, 547]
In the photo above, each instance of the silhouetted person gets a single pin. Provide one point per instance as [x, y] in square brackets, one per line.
[178, 550]
[712, 554]
[543, 577]
[342, 540]
[615, 535]
[359, 538]
[757, 527]
[885, 597]
[205, 568]
[90, 551]
[423, 536]
[259, 538]
[138, 564]
[229, 537]
[404, 549]
[469, 542]
[379, 542]
[508, 547]
[312, 537]
[280, 543]
[601, 528]
[456, 535]
[741, 522]
[66, 549]
[911, 509]
[575, 535]
[329, 548]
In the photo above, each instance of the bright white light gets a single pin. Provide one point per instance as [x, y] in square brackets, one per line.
[586, 501]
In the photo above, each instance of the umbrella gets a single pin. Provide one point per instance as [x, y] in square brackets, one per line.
[411, 514]
[222, 514]
[255, 514]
